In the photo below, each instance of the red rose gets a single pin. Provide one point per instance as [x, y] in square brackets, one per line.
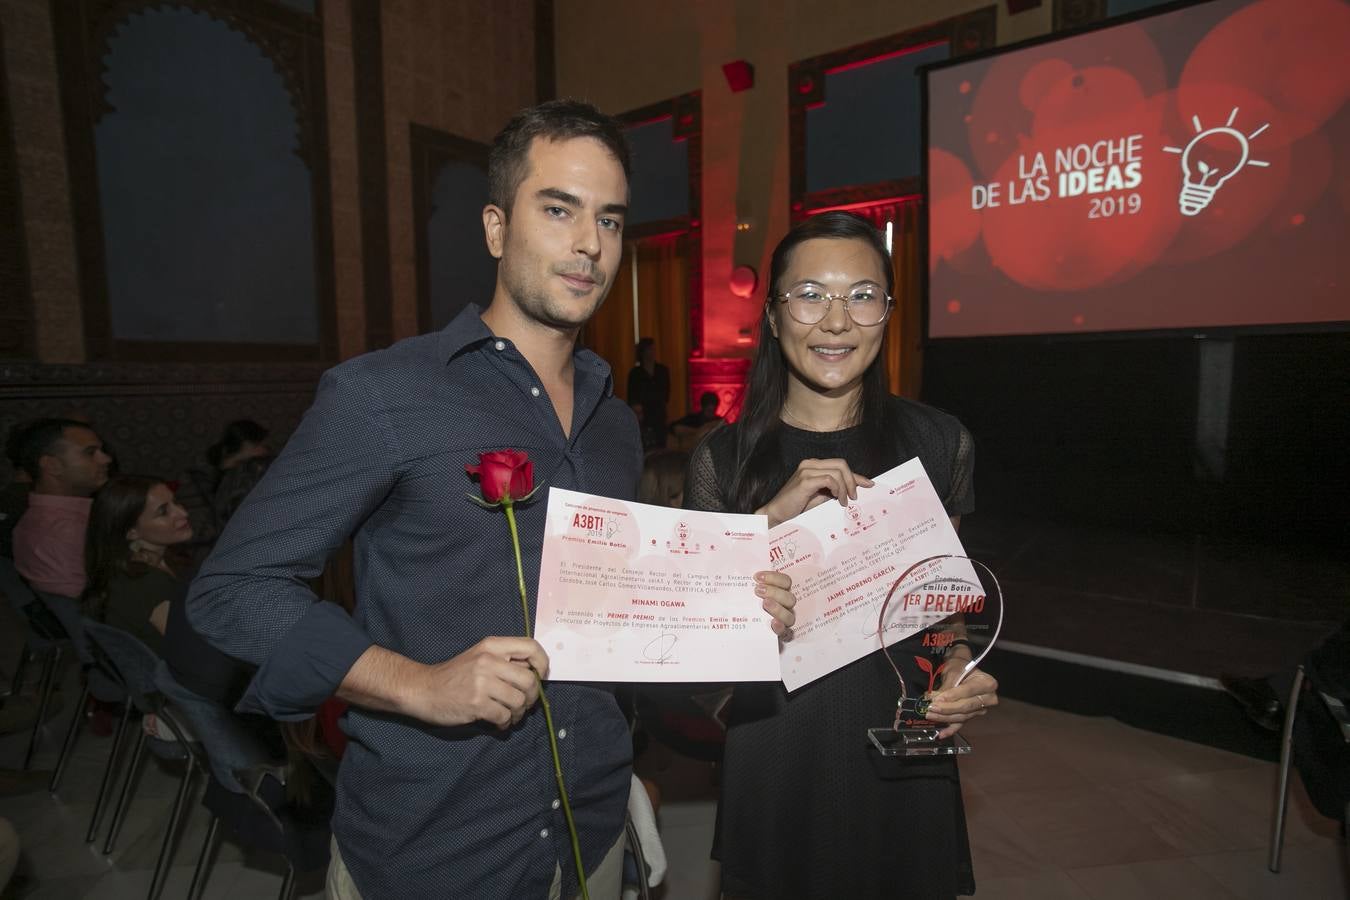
[503, 475]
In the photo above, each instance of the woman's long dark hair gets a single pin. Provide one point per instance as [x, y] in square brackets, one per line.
[107, 552]
[759, 469]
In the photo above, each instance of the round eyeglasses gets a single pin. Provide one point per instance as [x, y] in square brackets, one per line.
[809, 305]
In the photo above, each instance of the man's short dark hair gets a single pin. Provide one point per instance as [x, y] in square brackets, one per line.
[554, 120]
[34, 440]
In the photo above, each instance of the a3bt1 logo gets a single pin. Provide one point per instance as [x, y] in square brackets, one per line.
[593, 525]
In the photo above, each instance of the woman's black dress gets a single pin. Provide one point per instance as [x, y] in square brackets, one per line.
[806, 809]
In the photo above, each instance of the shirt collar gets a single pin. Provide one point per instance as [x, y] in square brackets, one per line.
[58, 501]
[468, 330]
[465, 330]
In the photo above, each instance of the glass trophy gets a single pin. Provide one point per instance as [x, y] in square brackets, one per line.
[955, 606]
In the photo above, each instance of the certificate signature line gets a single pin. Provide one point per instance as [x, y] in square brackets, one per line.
[661, 649]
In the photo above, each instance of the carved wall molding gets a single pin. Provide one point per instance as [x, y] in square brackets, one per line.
[284, 35]
[293, 42]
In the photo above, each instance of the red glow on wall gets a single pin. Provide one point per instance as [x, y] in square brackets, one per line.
[866, 204]
[859, 63]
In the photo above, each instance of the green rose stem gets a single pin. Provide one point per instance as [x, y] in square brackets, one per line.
[543, 700]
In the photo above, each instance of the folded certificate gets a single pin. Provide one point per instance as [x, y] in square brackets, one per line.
[632, 592]
[844, 560]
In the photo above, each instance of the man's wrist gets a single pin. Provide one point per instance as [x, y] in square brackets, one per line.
[409, 687]
[386, 681]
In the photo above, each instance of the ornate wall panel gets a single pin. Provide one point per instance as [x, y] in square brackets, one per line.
[293, 42]
[16, 310]
[158, 418]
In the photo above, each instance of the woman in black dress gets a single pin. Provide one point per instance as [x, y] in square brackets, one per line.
[806, 811]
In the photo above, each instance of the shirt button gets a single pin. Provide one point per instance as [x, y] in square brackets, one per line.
[534, 391]
[562, 733]
[543, 833]
[557, 803]
[500, 345]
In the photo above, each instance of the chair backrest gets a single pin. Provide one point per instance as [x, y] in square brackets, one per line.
[67, 612]
[230, 746]
[14, 587]
[125, 657]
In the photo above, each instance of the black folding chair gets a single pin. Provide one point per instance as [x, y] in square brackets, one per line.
[127, 660]
[247, 789]
[96, 683]
[1317, 726]
[47, 642]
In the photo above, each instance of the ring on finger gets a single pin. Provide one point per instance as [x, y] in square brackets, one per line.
[980, 697]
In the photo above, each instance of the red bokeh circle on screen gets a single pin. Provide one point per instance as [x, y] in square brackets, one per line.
[953, 225]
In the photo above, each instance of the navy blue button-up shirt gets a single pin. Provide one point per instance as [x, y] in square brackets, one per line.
[424, 811]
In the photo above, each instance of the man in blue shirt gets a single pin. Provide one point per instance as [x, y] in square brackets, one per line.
[446, 788]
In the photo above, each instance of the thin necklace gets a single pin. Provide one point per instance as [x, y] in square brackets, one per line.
[787, 412]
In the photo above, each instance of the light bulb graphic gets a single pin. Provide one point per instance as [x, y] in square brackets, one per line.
[1212, 157]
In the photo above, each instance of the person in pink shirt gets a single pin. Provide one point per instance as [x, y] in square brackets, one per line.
[66, 461]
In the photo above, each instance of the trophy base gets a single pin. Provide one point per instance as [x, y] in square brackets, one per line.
[902, 742]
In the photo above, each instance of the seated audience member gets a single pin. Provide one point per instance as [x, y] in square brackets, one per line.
[662, 481]
[686, 432]
[65, 460]
[14, 495]
[212, 494]
[134, 521]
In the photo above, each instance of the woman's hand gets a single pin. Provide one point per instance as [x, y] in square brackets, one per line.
[975, 696]
[814, 482]
[775, 589]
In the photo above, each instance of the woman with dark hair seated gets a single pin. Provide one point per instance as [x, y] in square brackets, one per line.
[133, 525]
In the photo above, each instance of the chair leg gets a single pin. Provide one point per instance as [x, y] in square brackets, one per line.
[1286, 758]
[124, 798]
[69, 743]
[45, 695]
[108, 772]
[635, 845]
[166, 849]
[20, 670]
[198, 884]
[288, 883]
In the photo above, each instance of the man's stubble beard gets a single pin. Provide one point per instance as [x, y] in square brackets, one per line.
[534, 302]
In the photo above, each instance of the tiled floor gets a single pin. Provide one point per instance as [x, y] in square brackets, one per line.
[1063, 807]
[62, 867]
[1060, 806]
